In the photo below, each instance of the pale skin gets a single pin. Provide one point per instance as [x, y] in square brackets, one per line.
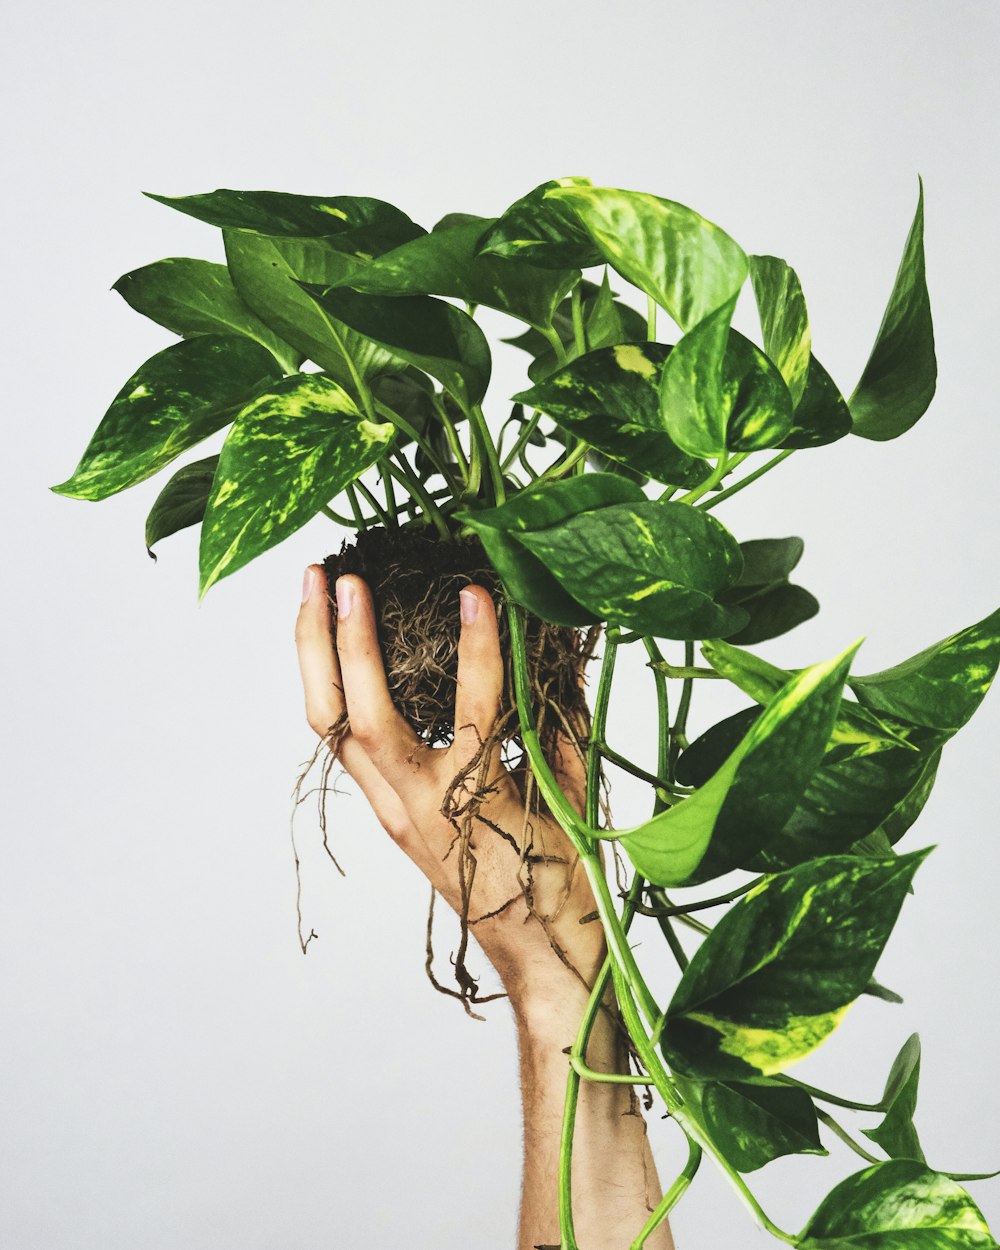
[615, 1184]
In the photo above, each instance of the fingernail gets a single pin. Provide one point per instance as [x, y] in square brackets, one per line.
[468, 606]
[308, 582]
[345, 598]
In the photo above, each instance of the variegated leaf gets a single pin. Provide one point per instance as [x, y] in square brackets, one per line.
[942, 686]
[354, 223]
[753, 1124]
[444, 262]
[653, 567]
[896, 1134]
[288, 453]
[736, 811]
[900, 378]
[821, 415]
[778, 972]
[266, 272]
[525, 577]
[610, 398]
[425, 332]
[173, 401]
[899, 1205]
[182, 501]
[784, 320]
[193, 297]
[541, 232]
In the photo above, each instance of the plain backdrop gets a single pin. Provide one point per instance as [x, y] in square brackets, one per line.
[174, 1072]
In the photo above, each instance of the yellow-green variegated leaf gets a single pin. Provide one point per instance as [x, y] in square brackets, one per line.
[354, 223]
[541, 231]
[899, 1205]
[182, 501]
[173, 401]
[427, 333]
[654, 567]
[610, 398]
[288, 453]
[896, 1134]
[193, 297]
[942, 686]
[784, 320]
[444, 262]
[899, 380]
[686, 263]
[266, 272]
[727, 820]
[778, 972]
[719, 392]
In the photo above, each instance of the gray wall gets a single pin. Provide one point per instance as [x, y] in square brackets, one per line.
[174, 1072]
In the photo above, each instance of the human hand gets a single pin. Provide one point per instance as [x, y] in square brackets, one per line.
[456, 811]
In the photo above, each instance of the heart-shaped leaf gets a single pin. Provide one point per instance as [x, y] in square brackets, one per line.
[173, 401]
[899, 1205]
[541, 232]
[610, 398]
[353, 222]
[775, 606]
[651, 566]
[428, 333]
[821, 415]
[899, 380]
[777, 973]
[943, 685]
[266, 273]
[737, 810]
[182, 501]
[288, 453]
[444, 262]
[525, 578]
[896, 1134]
[754, 1124]
[193, 297]
[784, 320]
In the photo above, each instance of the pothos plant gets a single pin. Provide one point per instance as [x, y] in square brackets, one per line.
[339, 344]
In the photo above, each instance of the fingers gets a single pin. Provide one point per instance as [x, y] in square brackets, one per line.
[480, 672]
[376, 723]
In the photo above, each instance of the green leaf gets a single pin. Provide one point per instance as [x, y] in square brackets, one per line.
[541, 231]
[193, 297]
[445, 263]
[173, 401]
[821, 416]
[352, 222]
[651, 566]
[896, 1134]
[525, 578]
[288, 453]
[780, 969]
[610, 398]
[755, 1124]
[856, 731]
[719, 392]
[764, 591]
[266, 272]
[686, 263]
[899, 380]
[943, 685]
[784, 320]
[182, 501]
[434, 336]
[737, 810]
[899, 1205]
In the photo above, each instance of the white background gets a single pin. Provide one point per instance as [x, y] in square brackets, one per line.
[174, 1073]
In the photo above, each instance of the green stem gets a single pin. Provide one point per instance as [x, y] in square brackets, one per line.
[662, 721]
[722, 467]
[481, 436]
[602, 701]
[523, 438]
[579, 333]
[606, 1078]
[672, 1196]
[335, 516]
[451, 434]
[685, 909]
[824, 1117]
[677, 733]
[373, 503]
[390, 498]
[650, 319]
[626, 765]
[565, 464]
[556, 343]
[411, 432]
[403, 474]
[834, 1099]
[751, 477]
[360, 522]
[681, 670]
[679, 954]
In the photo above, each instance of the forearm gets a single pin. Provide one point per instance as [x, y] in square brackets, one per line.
[614, 1180]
